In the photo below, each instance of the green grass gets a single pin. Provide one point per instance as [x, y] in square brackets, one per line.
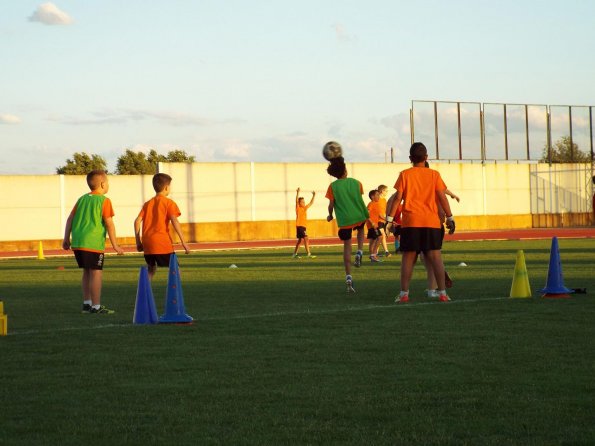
[279, 354]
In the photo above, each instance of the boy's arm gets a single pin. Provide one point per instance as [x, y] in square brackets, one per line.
[312, 200]
[176, 224]
[67, 231]
[331, 208]
[111, 233]
[137, 226]
[451, 195]
[297, 195]
[443, 201]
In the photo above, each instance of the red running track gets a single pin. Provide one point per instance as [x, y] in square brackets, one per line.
[513, 234]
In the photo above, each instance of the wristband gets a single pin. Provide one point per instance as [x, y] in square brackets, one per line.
[389, 218]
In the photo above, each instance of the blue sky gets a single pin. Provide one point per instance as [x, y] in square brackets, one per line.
[269, 80]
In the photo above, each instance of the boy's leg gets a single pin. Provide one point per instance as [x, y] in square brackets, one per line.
[347, 256]
[383, 238]
[95, 278]
[151, 269]
[430, 275]
[307, 245]
[407, 264]
[434, 258]
[297, 245]
[85, 284]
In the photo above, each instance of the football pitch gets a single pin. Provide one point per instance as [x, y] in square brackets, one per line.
[280, 354]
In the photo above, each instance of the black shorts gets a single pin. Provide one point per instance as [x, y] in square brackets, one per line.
[88, 259]
[157, 259]
[300, 232]
[347, 233]
[396, 230]
[373, 234]
[421, 239]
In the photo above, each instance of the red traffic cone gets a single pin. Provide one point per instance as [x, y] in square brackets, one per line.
[145, 311]
[555, 281]
[175, 313]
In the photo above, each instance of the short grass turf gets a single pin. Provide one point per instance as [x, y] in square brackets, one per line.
[280, 354]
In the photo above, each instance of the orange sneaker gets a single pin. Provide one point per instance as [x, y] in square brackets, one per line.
[444, 298]
[402, 298]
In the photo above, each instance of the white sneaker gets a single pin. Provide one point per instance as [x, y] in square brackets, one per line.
[403, 297]
[349, 283]
[432, 293]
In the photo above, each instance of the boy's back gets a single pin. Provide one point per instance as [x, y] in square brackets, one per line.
[156, 215]
[419, 186]
[88, 227]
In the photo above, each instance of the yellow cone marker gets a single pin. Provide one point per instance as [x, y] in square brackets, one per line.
[40, 252]
[3, 320]
[520, 281]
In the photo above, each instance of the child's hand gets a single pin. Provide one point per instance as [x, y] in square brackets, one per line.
[119, 250]
[450, 224]
[329, 218]
[66, 244]
[186, 249]
[139, 247]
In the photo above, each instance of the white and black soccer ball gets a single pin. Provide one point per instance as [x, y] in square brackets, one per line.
[332, 149]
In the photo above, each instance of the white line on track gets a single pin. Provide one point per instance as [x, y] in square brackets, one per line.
[266, 315]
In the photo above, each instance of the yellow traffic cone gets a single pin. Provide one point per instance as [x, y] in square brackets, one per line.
[3, 320]
[40, 252]
[520, 281]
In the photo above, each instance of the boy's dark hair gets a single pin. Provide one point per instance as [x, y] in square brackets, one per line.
[372, 192]
[417, 152]
[337, 167]
[160, 180]
[95, 177]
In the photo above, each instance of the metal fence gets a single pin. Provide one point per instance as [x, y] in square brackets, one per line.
[467, 131]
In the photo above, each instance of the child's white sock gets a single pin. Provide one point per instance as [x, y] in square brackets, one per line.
[96, 307]
[87, 302]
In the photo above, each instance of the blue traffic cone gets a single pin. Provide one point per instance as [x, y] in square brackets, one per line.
[145, 311]
[175, 313]
[554, 286]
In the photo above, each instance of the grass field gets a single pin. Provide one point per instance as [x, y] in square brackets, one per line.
[279, 354]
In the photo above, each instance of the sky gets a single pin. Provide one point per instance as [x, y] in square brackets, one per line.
[270, 80]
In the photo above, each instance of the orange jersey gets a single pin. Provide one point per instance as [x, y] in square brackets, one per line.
[374, 211]
[382, 203]
[156, 215]
[419, 186]
[301, 215]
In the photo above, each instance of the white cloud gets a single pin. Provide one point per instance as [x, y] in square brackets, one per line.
[123, 116]
[50, 14]
[342, 34]
[9, 119]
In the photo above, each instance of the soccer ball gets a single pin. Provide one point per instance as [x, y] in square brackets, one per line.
[332, 149]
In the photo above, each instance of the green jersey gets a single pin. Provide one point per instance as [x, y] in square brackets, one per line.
[88, 228]
[349, 205]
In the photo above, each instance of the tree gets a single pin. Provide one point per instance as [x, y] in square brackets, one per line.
[179, 156]
[81, 164]
[134, 163]
[563, 153]
[137, 163]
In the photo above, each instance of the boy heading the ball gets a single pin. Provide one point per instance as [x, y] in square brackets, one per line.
[345, 200]
[88, 222]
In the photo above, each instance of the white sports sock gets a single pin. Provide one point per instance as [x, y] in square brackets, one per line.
[97, 307]
[87, 302]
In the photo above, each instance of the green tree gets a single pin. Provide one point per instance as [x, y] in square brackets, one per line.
[134, 163]
[81, 164]
[178, 156]
[564, 152]
[137, 163]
